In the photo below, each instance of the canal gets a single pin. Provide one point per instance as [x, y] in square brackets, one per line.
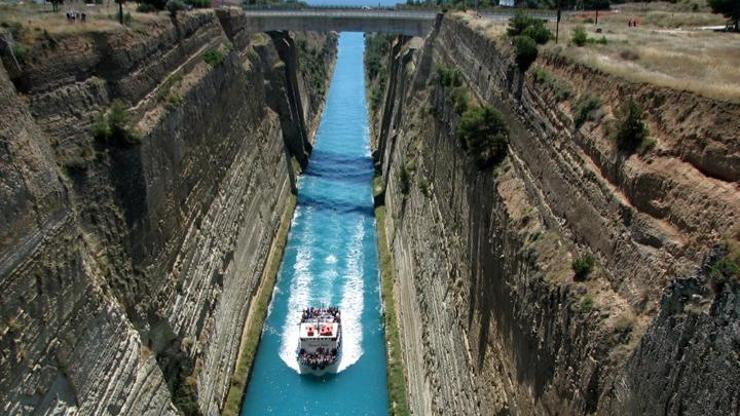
[330, 259]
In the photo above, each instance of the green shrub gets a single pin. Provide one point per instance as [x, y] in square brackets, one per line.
[726, 268]
[199, 4]
[449, 77]
[405, 178]
[484, 135]
[458, 98]
[541, 76]
[20, 52]
[586, 109]
[526, 52]
[213, 57]
[587, 303]
[539, 33]
[520, 22]
[174, 6]
[146, 8]
[601, 40]
[560, 88]
[156, 4]
[631, 130]
[623, 325]
[582, 266]
[579, 36]
[113, 126]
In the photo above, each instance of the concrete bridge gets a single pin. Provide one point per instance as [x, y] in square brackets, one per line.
[322, 19]
[403, 22]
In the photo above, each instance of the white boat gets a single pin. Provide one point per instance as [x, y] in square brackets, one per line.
[320, 341]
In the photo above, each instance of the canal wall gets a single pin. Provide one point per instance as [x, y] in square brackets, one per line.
[492, 319]
[127, 261]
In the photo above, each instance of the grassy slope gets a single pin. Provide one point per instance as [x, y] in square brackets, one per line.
[396, 379]
[257, 315]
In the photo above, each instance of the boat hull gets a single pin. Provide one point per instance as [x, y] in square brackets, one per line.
[329, 369]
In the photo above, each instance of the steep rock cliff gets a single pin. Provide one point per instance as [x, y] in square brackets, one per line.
[492, 319]
[127, 266]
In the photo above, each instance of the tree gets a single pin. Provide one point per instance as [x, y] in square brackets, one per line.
[174, 6]
[158, 4]
[484, 134]
[55, 4]
[728, 8]
[120, 10]
[631, 130]
[526, 52]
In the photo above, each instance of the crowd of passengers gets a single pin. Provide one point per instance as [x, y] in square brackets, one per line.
[312, 313]
[319, 359]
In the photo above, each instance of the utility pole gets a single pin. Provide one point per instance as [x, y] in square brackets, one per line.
[557, 24]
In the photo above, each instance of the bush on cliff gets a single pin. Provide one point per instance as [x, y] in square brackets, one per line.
[213, 57]
[174, 6]
[484, 135]
[449, 77]
[523, 24]
[582, 266]
[526, 52]
[113, 126]
[631, 130]
[726, 269]
[149, 5]
[539, 33]
[587, 108]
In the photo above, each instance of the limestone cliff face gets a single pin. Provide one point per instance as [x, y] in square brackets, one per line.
[127, 267]
[492, 319]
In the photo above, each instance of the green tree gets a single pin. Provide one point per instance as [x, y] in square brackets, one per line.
[526, 52]
[519, 23]
[174, 6]
[55, 4]
[631, 129]
[728, 8]
[484, 134]
[582, 266]
[539, 33]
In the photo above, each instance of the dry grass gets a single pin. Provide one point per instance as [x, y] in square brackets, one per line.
[37, 21]
[493, 29]
[700, 61]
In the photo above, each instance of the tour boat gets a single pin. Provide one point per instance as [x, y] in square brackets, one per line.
[320, 341]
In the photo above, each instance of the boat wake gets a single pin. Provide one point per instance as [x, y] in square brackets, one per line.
[351, 304]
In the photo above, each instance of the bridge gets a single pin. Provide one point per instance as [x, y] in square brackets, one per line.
[403, 22]
[324, 19]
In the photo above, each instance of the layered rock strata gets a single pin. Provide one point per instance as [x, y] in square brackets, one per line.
[492, 319]
[127, 265]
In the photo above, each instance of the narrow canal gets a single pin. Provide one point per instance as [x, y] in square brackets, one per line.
[330, 259]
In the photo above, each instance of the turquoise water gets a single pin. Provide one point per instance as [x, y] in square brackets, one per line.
[330, 259]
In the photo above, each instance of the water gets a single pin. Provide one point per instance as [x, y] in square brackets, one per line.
[330, 258]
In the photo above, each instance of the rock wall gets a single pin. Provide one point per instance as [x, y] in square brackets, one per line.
[126, 266]
[492, 319]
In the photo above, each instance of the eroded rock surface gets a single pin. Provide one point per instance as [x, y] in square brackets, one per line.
[492, 319]
[127, 266]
